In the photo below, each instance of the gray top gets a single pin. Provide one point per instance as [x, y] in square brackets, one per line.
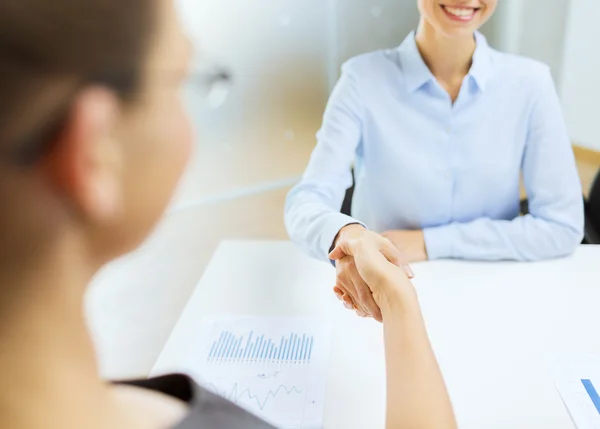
[206, 410]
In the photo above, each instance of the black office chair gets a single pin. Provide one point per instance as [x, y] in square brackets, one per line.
[592, 210]
[592, 213]
[347, 204]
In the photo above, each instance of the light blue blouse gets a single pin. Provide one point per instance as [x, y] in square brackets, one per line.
[452, 170]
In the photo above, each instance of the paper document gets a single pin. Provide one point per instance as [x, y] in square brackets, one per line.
[578, 381]
[273, 367]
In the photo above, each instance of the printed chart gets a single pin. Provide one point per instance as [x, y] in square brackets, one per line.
[291, 348]
[272, 367]
[578, 381]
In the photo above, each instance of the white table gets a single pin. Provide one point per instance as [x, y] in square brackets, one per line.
[493, 326]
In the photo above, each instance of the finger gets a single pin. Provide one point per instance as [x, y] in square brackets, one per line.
[359, 313]
[347, 247]
[365, 296]
[393, 255]
[338, 253]
[386, 247]
[357, 247]
[367, 301]
[339, 293]
[353, 296]
[345, 280]
[390, 251]
[343, 296]
[348, 303]
[352, 303]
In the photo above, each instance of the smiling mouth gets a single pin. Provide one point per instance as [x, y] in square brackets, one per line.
[460, 13]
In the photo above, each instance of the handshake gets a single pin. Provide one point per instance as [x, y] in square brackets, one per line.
[373, 269]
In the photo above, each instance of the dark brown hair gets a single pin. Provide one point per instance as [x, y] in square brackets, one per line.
[49, 49]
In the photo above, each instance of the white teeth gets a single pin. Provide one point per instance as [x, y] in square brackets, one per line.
[460, 12]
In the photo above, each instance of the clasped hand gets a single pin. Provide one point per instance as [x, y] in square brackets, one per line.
[363, 256]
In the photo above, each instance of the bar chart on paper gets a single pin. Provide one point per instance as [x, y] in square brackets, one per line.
[291, 348]
[272, 367]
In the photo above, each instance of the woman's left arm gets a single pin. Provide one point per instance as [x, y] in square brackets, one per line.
[554, 226]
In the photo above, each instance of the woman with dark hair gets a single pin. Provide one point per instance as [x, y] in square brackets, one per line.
[93, 139]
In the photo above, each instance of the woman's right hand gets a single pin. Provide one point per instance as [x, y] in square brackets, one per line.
[378, 264]
[414, 382]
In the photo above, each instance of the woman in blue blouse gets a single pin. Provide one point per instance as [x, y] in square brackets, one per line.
[440, 131]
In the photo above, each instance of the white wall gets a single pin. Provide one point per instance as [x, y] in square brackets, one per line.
[565, 35]
[543, 32]
[504, 29]
[533, 28]
[580, 89]
[285, 54]
[277, 51]
[364, 26]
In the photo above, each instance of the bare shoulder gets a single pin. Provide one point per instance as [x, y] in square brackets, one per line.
[146, 409]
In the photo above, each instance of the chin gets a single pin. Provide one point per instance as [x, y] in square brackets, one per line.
[458, 33]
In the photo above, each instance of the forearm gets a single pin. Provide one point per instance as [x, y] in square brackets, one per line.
[526, 238]
[311, 224]
[312, 212]
[416, 392]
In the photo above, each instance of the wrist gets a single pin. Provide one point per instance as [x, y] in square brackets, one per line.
[397, 295]
[349, 231]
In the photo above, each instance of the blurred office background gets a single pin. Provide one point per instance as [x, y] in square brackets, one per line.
[285, 56]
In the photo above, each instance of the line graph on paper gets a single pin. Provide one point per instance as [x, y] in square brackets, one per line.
[277, 399]
[273, 367]
[237, 395]
[283, 405]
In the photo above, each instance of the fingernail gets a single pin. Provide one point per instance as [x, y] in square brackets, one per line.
[361, 314]
[348, 305]
[339, 296]
[409, 272]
